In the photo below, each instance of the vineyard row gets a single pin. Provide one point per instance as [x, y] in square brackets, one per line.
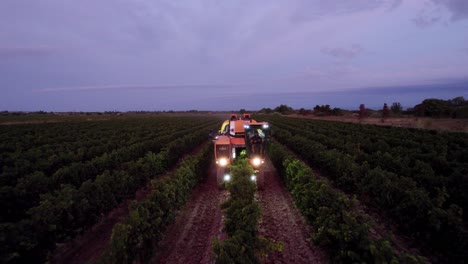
[70, 209]
[134, 239]
[338, 225]
[433, 220]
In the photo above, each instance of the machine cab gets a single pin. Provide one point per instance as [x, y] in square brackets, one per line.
[242, 136]
[257, 136]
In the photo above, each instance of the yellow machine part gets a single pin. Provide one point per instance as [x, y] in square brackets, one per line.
[223, 126]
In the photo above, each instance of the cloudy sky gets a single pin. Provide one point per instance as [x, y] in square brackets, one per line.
[98, 55]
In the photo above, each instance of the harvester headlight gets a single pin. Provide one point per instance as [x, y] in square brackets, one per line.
[222, 161]
[253, 178]
[246, 126]
[265, 125]
[227, 177]
[256, 161]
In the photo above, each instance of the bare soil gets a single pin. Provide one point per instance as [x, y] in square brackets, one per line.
[442, 124]
[382, 227]
[189, 238]
[282, 222]
[88, 247]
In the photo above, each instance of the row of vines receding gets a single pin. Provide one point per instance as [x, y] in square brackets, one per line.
[338, 226]
[416, 178]
[242, 213]
[136, 237]
[57, 180]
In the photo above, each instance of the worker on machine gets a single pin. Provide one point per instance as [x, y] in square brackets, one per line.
[256, 142]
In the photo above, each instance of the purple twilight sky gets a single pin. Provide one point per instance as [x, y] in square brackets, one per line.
[104, 55]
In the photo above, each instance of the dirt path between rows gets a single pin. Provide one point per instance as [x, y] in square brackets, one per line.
[189, 239]
[90, 246]
[282, 222]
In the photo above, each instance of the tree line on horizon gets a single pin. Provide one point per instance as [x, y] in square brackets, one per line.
[452, 108]
[432, 107]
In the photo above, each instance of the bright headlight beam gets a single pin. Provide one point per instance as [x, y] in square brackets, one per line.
[227, 177]
[256, 161]
[223, 161]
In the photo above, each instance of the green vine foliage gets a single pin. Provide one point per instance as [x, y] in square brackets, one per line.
[414, 177]
[337, 224]
[134, 239]
[70, 180]
[242, 213]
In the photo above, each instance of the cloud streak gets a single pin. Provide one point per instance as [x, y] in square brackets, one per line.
[306, 10]
[131, 87]
[425, 22]
[19, 52]
[458, 8]
[344, 53]
[130, 52]
[437, 11]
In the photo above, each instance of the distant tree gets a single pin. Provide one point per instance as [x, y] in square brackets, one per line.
[418, 110]
[322, 110]
[317, 110]
[385, 112]
[396, 108]
[435, 107]
[458, 107]
[458, 101]
[284, 109]
[337, 111]
[362, 111]
[460, 112]
[266, 110]
[242, 111]
[303, 111]
[455, 108]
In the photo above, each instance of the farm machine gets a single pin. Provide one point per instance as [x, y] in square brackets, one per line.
[241, 135]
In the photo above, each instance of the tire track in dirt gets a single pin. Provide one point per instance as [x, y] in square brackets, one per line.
[189, 238]
[282, 222]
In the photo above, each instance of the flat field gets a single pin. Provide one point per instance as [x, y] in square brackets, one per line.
[107, 187]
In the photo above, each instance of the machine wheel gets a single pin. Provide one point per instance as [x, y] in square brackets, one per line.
[220, 176]
[261, 180]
